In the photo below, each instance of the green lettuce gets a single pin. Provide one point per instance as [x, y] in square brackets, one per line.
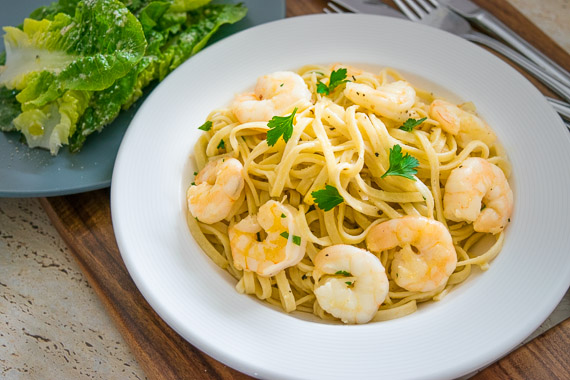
[187, 5]
[72, 66]
[9, 109]
[49, 11]
[57, 64]
[51, 125]
[164, 54]
[89, 51]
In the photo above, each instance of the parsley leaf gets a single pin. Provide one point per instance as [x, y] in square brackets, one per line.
[221, 145]
[280, 126]
[322, 88]
[403, 166]
[344, 273]
[411, 124]
[296, 239]
[337, 78]
[206, 126]
[327, 198]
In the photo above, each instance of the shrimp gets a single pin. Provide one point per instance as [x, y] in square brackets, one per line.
[274, 94]
[427, 257]
[475, 182]
[218, 185]
[465, 125]
[355, 284]
[391, 100]
[279, 250]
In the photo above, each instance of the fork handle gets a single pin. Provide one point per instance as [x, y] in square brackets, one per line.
[533, 69]
[493, 25]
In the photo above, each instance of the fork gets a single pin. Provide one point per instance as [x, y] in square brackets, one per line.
[430, 12]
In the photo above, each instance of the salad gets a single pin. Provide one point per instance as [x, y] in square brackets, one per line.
[71, 67]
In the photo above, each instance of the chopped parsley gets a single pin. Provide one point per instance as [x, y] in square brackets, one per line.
[344, 273]
[403, 166]
[410, 124]
[283, 215]
[221, 145]
[349, 283]
[296, 239]
[206, 126]
[337, 78]
[280, 126]
[327, 198]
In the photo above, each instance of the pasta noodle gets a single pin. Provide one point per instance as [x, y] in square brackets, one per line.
[335, 142]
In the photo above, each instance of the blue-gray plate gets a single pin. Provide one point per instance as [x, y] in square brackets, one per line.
[26, 172]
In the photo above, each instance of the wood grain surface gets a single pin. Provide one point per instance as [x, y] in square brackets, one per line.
[84, 222]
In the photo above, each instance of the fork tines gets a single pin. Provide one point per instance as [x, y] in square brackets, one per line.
[339, 6]
[417, 9]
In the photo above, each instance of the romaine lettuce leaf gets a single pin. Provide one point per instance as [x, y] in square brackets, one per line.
[89, 51]
[50, 126]
[187, 5]
[9, 109]
[49, 11]
[68, 7]
[72, 66]
[163, 55]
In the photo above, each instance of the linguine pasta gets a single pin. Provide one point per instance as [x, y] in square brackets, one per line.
[338, 143]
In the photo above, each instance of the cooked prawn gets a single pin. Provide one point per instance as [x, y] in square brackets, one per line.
[391, 100]
[274, 94]
[217, 187]
[355, 283]
[435, 260]
[474, 183]
[279, 250]
[465, 125]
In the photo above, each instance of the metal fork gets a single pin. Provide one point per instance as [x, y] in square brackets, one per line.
[362, 6]
[430, 12]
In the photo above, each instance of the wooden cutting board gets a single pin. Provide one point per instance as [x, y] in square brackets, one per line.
[84, 222]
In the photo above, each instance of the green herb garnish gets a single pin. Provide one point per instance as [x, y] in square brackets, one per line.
[221, 145]
[403, 166]
[280, 126]
[337, 78]
[206, 126]
[344, 273]
[296, 239]
[410, 124]
[327, 198]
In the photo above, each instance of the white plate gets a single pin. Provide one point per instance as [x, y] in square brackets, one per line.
[478, 322]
